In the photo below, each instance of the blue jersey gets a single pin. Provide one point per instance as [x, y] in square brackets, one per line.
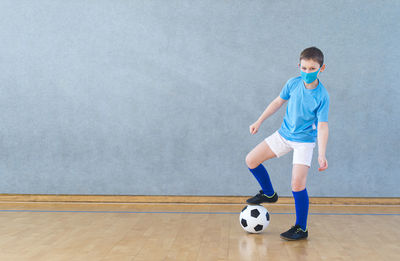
[304, 110]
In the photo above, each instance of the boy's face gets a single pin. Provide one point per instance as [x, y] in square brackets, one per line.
[309, 66]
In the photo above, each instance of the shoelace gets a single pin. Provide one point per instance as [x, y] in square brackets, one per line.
[295, 229]
[260, 194]
[299, 230]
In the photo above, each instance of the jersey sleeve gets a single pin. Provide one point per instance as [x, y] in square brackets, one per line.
[323, 110]
[285, 93]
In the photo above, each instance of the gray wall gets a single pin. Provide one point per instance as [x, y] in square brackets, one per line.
[156, 97]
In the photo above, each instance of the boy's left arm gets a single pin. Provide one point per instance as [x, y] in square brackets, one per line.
[323, 133]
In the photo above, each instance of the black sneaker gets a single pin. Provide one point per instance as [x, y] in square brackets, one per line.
[295, 233]
[262, 198]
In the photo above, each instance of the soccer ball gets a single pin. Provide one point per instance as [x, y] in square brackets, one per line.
[254, 218]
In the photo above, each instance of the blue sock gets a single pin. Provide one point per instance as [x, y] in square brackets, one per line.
[301, 204]
[261, 174]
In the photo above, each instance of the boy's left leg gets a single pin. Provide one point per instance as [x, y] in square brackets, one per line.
[299, 179]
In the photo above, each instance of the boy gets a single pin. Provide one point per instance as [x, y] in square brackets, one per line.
[305, 121]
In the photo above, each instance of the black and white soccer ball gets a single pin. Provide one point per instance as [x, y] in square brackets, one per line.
[254, 218]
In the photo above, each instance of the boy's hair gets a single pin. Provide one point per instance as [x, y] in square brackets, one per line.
[312, 53]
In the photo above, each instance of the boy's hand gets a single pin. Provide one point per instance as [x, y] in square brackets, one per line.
[254, 127]
[323, 163]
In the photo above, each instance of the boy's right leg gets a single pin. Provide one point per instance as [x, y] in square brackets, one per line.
[259, 154]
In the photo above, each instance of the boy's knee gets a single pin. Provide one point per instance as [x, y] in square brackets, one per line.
[251, 162]
[298, 186]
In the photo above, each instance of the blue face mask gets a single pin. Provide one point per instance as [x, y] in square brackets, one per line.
[309, 77]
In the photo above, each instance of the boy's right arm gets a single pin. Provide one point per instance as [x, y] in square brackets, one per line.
[271, 109]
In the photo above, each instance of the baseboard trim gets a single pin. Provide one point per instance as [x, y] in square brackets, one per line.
[187, 199]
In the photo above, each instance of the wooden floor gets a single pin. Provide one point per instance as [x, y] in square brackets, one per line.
[151, 232]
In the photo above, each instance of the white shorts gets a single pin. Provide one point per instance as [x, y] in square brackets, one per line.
[302, 151]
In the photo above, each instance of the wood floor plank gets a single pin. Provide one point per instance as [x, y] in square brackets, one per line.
[214, 244]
